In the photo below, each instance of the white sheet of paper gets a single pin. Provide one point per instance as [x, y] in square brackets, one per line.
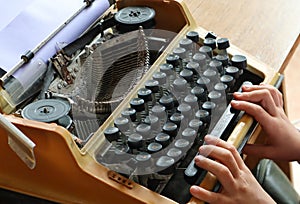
[25, 24]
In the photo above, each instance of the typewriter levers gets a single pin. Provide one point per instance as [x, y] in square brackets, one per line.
[125, 112]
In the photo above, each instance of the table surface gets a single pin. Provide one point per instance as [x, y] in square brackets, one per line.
[266, 29]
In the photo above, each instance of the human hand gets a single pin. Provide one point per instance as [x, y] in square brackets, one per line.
[265, 104]
[238, 183]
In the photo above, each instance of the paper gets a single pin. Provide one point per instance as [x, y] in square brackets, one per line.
[29, 22]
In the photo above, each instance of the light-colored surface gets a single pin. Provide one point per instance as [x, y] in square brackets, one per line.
[292, 77]
[265, 29]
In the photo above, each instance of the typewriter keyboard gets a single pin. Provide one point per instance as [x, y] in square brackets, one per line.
[156, 137]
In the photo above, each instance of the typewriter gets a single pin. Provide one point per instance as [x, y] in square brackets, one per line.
[118, 114]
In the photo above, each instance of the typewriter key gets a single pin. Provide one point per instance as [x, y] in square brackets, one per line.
[129, 113]
[210, 42]
[112, 134]
[166, 165]
[203, 115]
[181, 52]
[175, 153]
[138, 104]
[189, 134]
[207, 51]
[232, 71]
[122, 123]
[196, 124]
[135, 141]
[171, 129]
[193, 35]
[187, 75]
[154, 147]
[199, 92]
[163, 139]
[177, 118]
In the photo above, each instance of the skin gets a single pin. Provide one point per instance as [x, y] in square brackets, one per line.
[265, 104]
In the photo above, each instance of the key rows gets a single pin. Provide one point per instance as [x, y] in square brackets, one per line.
[172, 110]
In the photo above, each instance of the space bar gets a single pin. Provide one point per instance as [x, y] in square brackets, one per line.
[217, 131]
[227, 117]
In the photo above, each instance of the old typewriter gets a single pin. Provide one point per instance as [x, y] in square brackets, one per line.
[118, 114]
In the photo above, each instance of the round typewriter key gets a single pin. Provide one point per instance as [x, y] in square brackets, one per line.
[167, 101]
[186, 43]
[203, 82]
[145, 94]
[223, 59]
[203, 115]
[186, 110]
[173, 60]
[211, 74]
[168, 69]
[221, 87]
[206, 50]
[129, 113]
[180, 51]
[223, 43]
[112, 134]
[189, 134]
[210, 42]
[166, 165]
[200, 58]
[144, 130]
[239, 61]
[154, 147]
[177, 118]
[187, 75]
[194, 67]
[153, 121]
[193, 35]
[208, 106]
[216, 65]
[232, 71]
[199, 92]
[170, 128]
[144, 159]
[191, 100]
[153, 85]
[161, 77]
[122, 123]
[138, 104]
[135, 141]
[180, 84]
[228, 80]
[175, 153]
[215, 96]
[163, 139]
[196, 124]
[182, 144]
[159, 111]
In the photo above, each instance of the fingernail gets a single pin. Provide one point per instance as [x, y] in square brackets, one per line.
[246, 87]
[210, 139]
[199, 158]
[234, 102]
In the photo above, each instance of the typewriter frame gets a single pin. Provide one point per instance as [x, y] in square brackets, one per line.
[64, 173]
